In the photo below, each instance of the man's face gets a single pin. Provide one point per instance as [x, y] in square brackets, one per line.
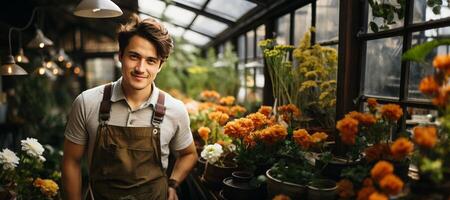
[140, 63]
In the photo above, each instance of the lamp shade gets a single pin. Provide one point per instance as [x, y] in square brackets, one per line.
[10, 68]
[39, 41]
[97, 9]
[21, 58]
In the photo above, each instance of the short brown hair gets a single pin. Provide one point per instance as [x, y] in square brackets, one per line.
[151, 30]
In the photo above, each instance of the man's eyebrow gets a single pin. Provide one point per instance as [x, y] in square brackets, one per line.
[147, 58]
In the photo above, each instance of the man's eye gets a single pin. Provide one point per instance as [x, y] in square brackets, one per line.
[134, 57]
[151, 62]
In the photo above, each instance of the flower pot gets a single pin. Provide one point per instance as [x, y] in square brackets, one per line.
[323, 189]
[240, 187]
[200, 167]
[214, 174]
[6, 193]
[276, 186]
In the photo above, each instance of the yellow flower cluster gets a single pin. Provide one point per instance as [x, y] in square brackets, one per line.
[48, 187]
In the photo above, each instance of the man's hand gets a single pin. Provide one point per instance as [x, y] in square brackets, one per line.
[172, 194]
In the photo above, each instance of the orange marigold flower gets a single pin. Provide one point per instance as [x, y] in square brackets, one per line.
[249, 141]
[206, 106]
[210, 95]
[239, 128]
[365, 192]
[428, 85]
[289, 111]
[345, 189]
[228, 100]
[265, 110]
[391, 184]
[223, 109]
[425, 136]
[302, 138]
[441, 99]
[441, 62]
[378, 196]
[319, 137]
[363, 118]
[348, 128]
[219, 117]
[367, 182]
[281, 197]
[372, 102]
[381, 169]
[401, 148]
[237, 110]
[374, 152]
[204, 132]
[391, 111]
[273, 134]
[259, 120]
[48, 187]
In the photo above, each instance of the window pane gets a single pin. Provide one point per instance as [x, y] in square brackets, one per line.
[416, 116]
[379, 21]
[327, 20]
[196, 38]
[179, 15]
[423, 13]
[249, 76]
[241, 47]
[419, 71]
[260, 35]
[208, 26]
[302, 22]
[382, 67]
[259, 79]
[192, 3]
[152, 7]
[250, 44]
[99, 71]
[174, 30]
[283, 29]
[229, 9]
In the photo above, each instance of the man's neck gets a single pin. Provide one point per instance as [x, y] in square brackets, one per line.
[136, 98]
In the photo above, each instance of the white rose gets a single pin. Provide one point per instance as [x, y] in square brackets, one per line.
[32, 147]
[212, 152]
[8, 159]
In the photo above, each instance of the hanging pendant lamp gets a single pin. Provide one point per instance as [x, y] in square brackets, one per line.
[9, 67]
[39, 41]
[21, 58]
[97, 9]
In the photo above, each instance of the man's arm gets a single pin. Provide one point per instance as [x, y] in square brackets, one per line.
[71, 170]
[187, 158]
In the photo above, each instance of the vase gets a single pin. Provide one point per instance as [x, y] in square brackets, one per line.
[241, 187]
[323, 189]
[214, 174]
[276, 187]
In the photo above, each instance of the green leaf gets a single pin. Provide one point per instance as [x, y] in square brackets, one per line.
[437, 10]
[419, 52]
[373, 26]
[430, 3]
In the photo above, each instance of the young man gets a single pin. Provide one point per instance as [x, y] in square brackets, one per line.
[128, 128]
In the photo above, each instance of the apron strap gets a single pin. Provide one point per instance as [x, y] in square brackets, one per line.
[105, 105]
[159, 111]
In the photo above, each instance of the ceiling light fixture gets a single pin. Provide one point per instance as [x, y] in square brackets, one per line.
[97, 9]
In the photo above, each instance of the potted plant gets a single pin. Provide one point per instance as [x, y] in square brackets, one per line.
[218, 166]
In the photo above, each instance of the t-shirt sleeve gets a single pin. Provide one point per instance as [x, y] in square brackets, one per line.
[76, 122]
[183, 136]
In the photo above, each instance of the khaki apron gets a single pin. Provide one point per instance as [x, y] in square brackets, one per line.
[126, 161]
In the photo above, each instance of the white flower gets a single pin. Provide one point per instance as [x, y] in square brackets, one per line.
[212, 152]
[33, 148]
[8, 159]
[231, 147]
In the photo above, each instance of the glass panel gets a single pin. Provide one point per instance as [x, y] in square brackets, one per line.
[416, 116]
[221, 48]
[259, 79]
[260, 35]
[423, 13]
[195, 38]
[250, 77]
[179, 15]
[208, 25]
[99, 71]
[241, 47]
[382, 71]
[327, 20]
[250, 44]
[283, 29]
[175, 31]
[229, 9]
[152, 7]
[302, 22]
[192, 3]
[419, 71]
[379, 20]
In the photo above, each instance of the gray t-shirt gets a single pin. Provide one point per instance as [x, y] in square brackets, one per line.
[83, 120]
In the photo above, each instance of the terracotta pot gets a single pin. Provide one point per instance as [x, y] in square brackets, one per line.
[276, 186]
[323, 189]
[214, 174]
[240, 187]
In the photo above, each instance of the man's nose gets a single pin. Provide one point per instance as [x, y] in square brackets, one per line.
[140, 66]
